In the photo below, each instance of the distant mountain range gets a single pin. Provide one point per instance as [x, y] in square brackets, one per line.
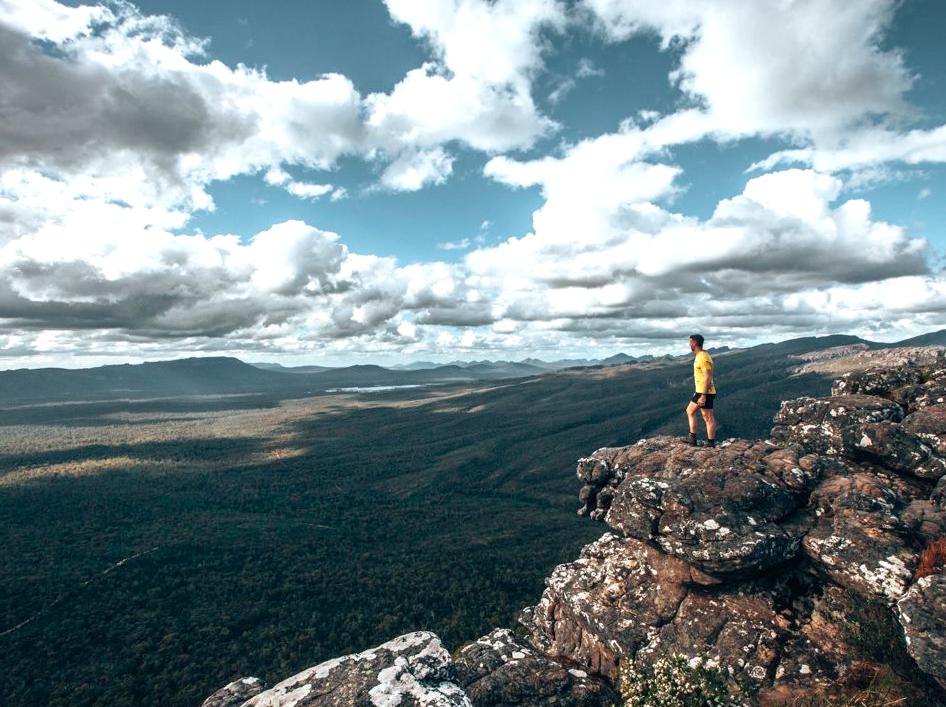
[535, 363]
[230, 376]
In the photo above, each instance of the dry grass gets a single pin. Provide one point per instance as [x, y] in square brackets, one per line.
[866, 684]
[932, 559]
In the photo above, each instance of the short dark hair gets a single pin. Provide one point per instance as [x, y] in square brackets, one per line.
[698, 338]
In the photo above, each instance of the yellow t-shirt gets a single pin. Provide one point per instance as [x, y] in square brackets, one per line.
[703, 364]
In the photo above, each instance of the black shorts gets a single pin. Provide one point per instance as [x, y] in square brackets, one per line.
[710, 397]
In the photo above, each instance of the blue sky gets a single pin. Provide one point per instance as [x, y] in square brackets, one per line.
[439, 179]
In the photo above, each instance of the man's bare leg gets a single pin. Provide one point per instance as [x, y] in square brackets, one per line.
[691, 415]
[710, 421]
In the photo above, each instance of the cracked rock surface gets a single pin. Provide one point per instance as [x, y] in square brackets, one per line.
[411, 670]
[718, 509]
[923, 616]
[236, 693]
[497, 669]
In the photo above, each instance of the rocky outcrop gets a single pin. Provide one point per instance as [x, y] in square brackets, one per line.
[860, 538]
[497, 669]
[718, 509]
[236, 693]
[623, 598]
[922, 612]
[771, 537]
[746, 557]
[411, 670]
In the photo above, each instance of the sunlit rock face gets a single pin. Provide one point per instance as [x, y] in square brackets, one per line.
[410, 670]
[744, 557]
[718, 509]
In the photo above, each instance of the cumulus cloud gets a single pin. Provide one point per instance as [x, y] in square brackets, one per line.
[866, 147]
[783, 235]
[128, 108]
[818, 73]
[278, 177]
[116, 123]
[130, 103]
[415, 170]
[763, 67]
[477, 90]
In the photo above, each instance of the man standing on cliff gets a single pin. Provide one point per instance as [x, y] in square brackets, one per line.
[702, 400]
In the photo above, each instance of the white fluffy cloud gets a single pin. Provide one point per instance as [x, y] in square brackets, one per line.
[116, 123]
[128, 109]
[624, 260]
[129, 103]
[415, 170]
[815, 71]
[476, 91]
[772, 66]
[867, 147]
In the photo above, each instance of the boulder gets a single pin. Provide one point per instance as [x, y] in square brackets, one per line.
[925, 519]
[860, 538]
[498, 669]
[876, 381]
[938, 497]
[236, 693]
[603, 605]
[624, 600]
[739, 630]
[922, 613]
[604, 470]
[832, 425]
[929, 394]
[413, 669]
[929, 424]
[891, 445]
[717, 509]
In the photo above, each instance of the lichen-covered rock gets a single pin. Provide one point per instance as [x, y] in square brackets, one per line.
[624, 600]
[717, 509]
[498, 670]
[929, 424]
[603, 605]
[236, 693]
[929, 394]
[888, 444]
[831, 426]
[860, 539]
[604, 470]
[739, 630]
[876, 381]
[925, 519]
[938, 496]
[922, 613]
[827, 625]
[411, 670]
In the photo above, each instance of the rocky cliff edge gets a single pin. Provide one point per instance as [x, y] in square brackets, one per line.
[792, 567]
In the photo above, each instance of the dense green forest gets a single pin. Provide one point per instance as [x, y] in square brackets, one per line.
[156, 550]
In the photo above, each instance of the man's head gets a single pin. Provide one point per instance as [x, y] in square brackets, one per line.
[696, 342]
